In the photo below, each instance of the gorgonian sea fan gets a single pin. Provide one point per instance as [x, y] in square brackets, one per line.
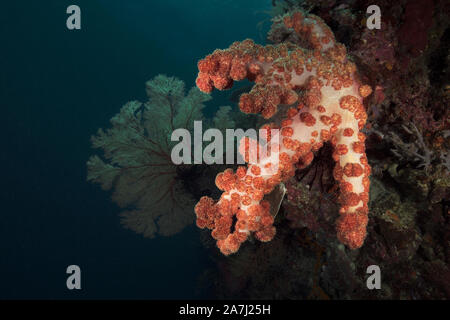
[136, 162]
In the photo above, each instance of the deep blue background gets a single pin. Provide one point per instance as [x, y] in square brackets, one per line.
[56, 88]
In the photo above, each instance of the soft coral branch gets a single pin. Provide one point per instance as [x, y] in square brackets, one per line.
[327, 93]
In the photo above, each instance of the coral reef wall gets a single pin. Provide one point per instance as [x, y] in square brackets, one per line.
[406, 62]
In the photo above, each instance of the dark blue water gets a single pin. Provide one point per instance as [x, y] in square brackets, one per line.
[57, 87]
